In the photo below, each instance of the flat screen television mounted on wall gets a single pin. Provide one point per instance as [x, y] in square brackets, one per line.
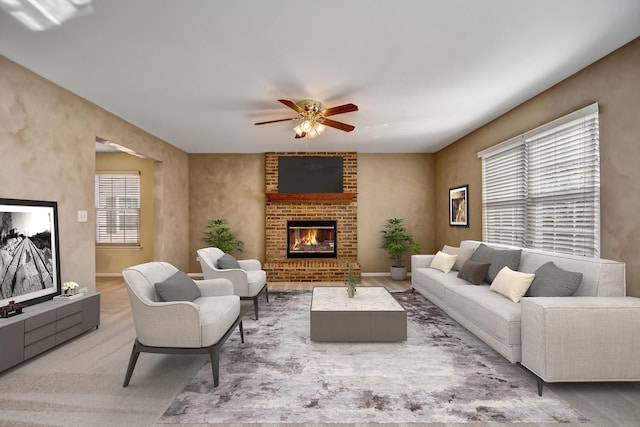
[310, 174]
[29, 251]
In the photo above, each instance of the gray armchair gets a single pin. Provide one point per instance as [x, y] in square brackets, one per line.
[180, 327]
[249, 280]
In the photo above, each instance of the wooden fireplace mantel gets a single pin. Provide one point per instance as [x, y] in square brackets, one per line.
[310, 197]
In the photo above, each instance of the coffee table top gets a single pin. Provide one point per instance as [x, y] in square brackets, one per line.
[368, 298]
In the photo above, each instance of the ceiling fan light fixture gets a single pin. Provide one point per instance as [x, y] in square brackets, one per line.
[306, 126]
[298, 130]
[320, 128]
[312, 133]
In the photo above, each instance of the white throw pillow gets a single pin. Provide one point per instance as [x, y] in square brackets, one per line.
[443, 262]
[512, 284]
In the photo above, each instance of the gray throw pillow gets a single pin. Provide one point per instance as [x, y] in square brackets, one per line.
[178, 287]
[497, 258]
[463, 255]
[226, 262]
[474, 272]
[553, 281]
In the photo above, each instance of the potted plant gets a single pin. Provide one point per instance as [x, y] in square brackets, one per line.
[218, 235]
[397, 240]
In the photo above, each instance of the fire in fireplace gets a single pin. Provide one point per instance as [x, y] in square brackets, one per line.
[311, 239]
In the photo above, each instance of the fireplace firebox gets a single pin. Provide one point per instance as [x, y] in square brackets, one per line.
[311, 239]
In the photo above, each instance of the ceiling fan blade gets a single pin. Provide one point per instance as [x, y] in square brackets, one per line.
[340, 109]
[276, 121]
[291, 105]
[338, 125]
[302, 135]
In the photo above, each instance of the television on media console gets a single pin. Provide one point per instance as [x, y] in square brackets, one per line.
[29, 251]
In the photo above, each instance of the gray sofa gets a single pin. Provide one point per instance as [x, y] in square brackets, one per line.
[591, 336]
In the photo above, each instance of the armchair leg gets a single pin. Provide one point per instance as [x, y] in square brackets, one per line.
[215, 363]
[255, 305]
[266, 292]
[241, 332]
[135, 352]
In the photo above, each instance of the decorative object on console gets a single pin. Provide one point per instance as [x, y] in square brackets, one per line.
[70, 288]
[29, 250]
[314, 118]
[459, 206]
[220, 236]
[397, 240]
[11, 309]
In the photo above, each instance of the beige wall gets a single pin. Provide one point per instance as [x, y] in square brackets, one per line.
[232, 186]
[229, 186]
[47, 152]
[394, 186]
[613, 82]
[113, 261]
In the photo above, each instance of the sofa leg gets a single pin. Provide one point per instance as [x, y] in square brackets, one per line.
[540, 382]
[135, 352]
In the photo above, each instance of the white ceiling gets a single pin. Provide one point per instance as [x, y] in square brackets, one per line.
[199, 73]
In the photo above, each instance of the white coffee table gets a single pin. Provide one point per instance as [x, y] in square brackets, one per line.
[373, 315]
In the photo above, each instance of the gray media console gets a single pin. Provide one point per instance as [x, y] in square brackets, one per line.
[46, 325]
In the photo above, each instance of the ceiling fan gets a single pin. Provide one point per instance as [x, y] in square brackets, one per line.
[314, 118]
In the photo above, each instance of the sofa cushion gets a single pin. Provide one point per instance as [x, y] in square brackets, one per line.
[497, 258]
[553, 281]
[443, 262]
[512, 284]
[490, 311]
[474, 272]
[226, 262]
[177, 287]
[462, 253]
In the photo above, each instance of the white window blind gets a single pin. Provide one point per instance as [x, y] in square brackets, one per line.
[117, 200]
[542, 189]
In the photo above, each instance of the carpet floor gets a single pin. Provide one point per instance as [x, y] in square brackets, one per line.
[441, 374]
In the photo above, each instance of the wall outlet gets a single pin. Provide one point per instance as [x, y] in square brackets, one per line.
[82, 216]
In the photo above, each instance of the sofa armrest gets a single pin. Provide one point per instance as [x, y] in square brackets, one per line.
[577, 339]
[421, 261]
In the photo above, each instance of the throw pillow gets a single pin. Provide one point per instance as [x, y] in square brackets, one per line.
[463, 255]
[553, 281]
[227, 261]
[178, 287]
[443, 262]
[474, 272]
[512, 284]
[497, 258]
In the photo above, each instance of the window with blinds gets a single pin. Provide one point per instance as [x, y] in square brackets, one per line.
[117, 200]
[542, 189]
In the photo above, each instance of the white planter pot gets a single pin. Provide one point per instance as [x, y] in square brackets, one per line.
[398, 273]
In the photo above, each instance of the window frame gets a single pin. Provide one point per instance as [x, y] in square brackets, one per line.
[121, 203]
[571, 202]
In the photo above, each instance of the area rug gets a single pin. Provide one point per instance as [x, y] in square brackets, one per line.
[441, 374]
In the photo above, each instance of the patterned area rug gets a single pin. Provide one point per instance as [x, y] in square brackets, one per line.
[441, 374]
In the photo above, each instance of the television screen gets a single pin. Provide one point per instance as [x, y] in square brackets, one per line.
[29, 264]
[310, 174]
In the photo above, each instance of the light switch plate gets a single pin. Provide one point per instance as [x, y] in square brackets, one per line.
[82, 216]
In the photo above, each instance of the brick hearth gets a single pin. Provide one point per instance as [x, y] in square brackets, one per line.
[342, 207]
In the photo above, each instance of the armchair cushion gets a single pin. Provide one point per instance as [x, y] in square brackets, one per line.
[226, 262]
[178, 287]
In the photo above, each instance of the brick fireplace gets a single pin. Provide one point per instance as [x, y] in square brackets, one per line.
[300, 208]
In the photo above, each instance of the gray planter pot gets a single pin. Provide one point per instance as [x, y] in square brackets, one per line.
[398, 273]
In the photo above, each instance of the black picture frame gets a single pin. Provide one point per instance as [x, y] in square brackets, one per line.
[29, 251]
[459, 206]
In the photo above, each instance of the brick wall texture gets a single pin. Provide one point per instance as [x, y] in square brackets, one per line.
[281, 269]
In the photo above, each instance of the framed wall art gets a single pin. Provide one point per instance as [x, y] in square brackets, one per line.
[29, 251]
[459, 206]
